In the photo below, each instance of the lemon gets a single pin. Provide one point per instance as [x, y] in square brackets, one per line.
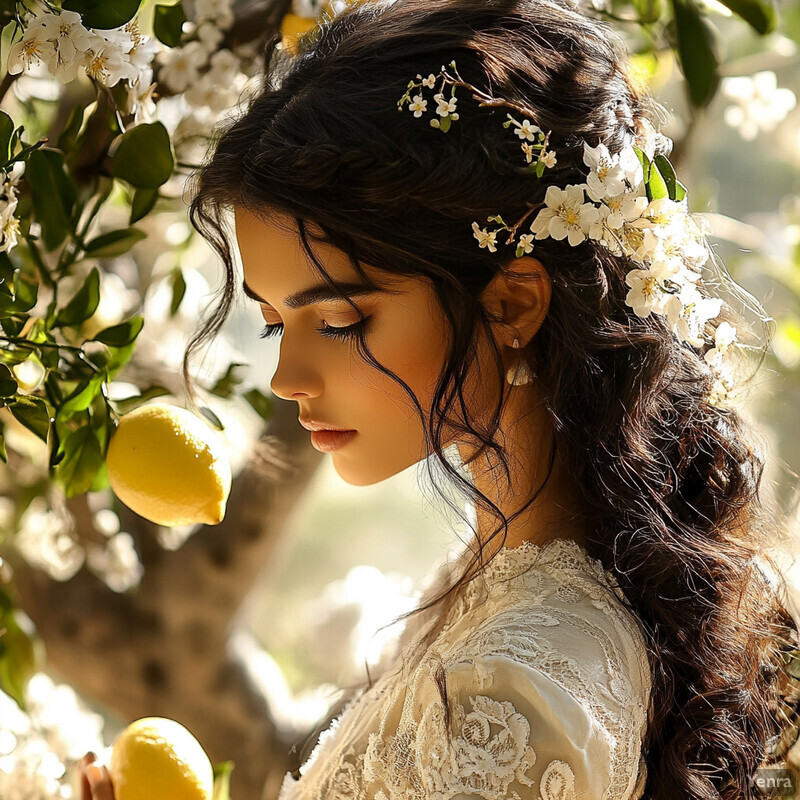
[169, 466]
[156, 758]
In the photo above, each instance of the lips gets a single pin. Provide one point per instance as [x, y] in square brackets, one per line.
[326, 441]
[314, 425]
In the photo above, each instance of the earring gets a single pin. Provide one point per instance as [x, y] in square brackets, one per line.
[521, 373]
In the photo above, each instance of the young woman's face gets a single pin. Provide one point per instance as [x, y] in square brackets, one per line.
[324, 374]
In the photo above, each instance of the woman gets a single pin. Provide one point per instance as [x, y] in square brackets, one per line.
[460, 218]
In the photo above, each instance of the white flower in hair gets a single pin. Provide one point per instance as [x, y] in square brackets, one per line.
[566, 215]
[548, 158]
[631, 204]
[688, 311]
[444, 107]
[608, 175]
[526, 242]
[527, 130]
[724, 337]
[485, 238]
[624, 208]
[665, 217]
[647, 291]
[418, 106]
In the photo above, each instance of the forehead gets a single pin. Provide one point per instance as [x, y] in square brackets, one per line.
[273, 254]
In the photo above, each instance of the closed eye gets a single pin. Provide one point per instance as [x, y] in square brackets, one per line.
[348, 332]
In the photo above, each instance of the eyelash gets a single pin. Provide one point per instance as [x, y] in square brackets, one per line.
[348, 332]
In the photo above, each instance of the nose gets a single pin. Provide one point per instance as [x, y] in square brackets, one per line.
[295, 378]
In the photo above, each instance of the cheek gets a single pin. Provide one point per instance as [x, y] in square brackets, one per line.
[412, 345]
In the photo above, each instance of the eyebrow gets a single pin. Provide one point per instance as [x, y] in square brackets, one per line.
[319, 293]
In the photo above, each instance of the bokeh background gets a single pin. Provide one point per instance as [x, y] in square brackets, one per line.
[250, 631]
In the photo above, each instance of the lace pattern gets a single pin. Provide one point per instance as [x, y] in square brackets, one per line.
[547, 680]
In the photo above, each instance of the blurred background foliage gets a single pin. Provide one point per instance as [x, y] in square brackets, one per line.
[247, 631]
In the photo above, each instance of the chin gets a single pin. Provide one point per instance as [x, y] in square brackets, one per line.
[361, 472]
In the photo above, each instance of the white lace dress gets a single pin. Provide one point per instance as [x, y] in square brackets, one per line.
[548, 682]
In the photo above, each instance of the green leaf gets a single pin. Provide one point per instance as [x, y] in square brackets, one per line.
[53, 195]
[167, 24]
[212, 417]
[676, 190]
[222, 780]
[23, 299]
[20, 654]
[144, 156]
[123, 334]
[649, 11]
[101, 481]
[83, 304]
[33, 413]
[119, 357]
[127, 404]
[228, 382]
[83, 458]
[8, 384]
[103, 14]
[142, 203]
[696, 52]
[444, 124]
[178, 284]
[81, 398]
[759, 14]
[69, 134]
[114, 243]
[260, 404]
[657, 187]
[6, 131]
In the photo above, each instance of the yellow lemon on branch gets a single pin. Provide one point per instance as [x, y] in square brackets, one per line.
[169, 466]
[157, 758]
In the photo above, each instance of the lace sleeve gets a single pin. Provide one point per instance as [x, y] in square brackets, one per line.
[512, 734]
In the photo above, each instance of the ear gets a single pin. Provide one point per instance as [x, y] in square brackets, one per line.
[517, 299]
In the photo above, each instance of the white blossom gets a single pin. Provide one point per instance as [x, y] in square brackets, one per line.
[70, 40]
[180, 66]
[688, 311]
[759, 104]
[527, 130]
[106, 60]
[418, 106]
[9, 227]
[430, 81]
[526, 242]
[116, 562]
[210, 36]
[646, 291]
[611, 175]
[224, 66]
[566, 215]
[33, 48]
[548, 158]
[485, 238]
[624, 208]
[445, 107]
[216, 11]
[724, 338]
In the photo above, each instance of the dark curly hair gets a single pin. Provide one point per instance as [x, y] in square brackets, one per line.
[671, 483]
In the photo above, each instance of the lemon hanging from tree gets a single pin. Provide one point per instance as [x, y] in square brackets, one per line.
[156, 758]
[169, 466]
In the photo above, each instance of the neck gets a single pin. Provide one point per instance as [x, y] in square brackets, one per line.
[525, 434]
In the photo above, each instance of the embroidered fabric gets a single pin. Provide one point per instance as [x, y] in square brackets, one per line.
[548, 684]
